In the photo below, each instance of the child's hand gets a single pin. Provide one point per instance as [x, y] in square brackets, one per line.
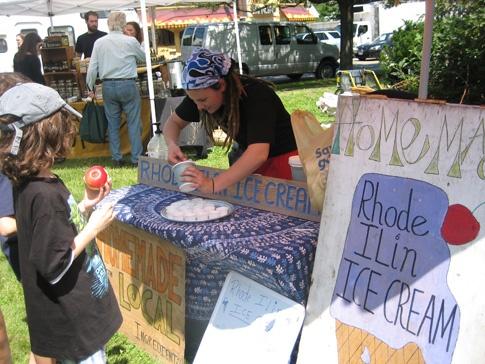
[101, 218]
[92, 197]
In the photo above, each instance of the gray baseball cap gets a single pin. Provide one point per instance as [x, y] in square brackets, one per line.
[30, 103]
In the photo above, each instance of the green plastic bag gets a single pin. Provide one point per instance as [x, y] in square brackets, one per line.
[94, 124]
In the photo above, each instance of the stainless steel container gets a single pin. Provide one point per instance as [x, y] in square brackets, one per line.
[175, 71]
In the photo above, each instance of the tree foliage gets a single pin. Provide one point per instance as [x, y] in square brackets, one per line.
[457, 66]
[328, 11]
[401, 62]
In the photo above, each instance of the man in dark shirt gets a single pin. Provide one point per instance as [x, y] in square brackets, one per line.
[85, 42]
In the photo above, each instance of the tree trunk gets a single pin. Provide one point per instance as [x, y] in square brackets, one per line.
[346, 27]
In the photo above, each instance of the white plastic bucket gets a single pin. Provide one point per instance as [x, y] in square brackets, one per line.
[297, 172]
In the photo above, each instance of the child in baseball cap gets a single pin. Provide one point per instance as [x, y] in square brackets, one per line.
[72, 311]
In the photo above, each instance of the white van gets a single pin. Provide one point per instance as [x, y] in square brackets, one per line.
[362, 32]
[73, 25]
[8, 31]
[267, 49]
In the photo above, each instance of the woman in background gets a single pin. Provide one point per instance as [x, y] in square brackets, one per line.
[19, 38]
[132, 29]
[26, 61]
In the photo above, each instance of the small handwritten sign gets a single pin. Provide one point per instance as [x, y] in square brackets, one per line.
[270, 194]
[250, 323]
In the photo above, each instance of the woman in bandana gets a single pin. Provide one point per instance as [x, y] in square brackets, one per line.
[247, 109]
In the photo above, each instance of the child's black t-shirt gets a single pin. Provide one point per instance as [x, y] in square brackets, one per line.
[77, 315]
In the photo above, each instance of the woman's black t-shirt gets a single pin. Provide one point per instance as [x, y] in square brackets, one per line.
[264, 119]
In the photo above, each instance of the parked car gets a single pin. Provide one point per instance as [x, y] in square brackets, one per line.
[373, 49]
[267, 48]
[331, 37]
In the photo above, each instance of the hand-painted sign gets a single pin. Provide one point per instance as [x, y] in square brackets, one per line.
[390, 276]
[148, 277]
[271, 194]
[402, 237]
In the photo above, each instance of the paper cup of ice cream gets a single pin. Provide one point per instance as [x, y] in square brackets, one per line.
[177, 170]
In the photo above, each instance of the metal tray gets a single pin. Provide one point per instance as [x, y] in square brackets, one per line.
[217, 203]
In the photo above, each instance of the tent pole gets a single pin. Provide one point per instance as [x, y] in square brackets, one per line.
[148, 64]
[238, 44]
[49, 4]
[153, 15]
[426, 56]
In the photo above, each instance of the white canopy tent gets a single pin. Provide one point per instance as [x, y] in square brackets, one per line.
[61, 7]
[51, 8]
[58, 7]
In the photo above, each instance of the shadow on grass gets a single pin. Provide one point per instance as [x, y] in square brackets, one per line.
[117, 354]
[307, 84]
[85, 162]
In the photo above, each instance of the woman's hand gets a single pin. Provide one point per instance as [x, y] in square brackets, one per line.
[198, 178]
[171, 132]
[252, 158]
[92, 197]
[175, 154]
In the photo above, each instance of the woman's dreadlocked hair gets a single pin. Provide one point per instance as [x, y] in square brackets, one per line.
[229, 118]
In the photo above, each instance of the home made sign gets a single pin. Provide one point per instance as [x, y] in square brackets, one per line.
[401, 249]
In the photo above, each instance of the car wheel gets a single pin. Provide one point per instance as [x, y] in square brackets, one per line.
[295, 76]
[326, 69]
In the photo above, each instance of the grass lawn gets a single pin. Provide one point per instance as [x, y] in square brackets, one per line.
[296, 95]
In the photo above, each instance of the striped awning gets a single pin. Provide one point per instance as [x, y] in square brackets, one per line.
[298, 13]
[183, 17]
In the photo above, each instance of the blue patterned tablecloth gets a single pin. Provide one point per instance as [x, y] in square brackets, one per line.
[272, 249]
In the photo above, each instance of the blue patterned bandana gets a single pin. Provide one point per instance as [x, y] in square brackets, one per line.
[204, 69]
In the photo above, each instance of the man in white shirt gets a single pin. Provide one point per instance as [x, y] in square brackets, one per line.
[114, 60]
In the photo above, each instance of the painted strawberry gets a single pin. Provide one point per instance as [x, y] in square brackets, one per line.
[459, 226]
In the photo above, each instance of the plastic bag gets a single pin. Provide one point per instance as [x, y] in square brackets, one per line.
[314, 144]
[94, 124]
